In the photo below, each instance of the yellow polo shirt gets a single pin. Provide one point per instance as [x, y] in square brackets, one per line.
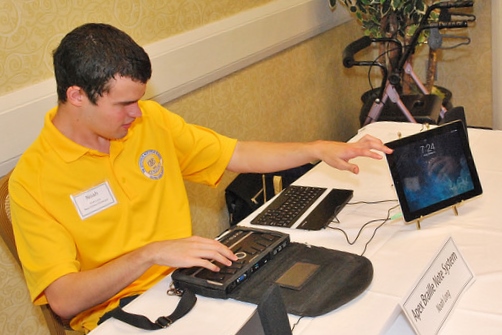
[74, 208]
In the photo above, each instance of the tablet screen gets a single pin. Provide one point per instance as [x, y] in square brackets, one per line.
[433, 170]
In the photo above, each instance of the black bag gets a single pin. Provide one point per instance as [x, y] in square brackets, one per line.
[340, 277]
[312, 280]
[248, 191]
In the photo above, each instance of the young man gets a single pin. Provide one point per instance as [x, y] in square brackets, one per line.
[98, 201]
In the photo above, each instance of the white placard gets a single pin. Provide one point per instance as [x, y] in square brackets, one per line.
[437, 291]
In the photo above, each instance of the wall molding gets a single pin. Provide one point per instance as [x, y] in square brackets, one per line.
[183, 63]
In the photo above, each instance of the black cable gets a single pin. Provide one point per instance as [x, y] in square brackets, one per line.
[336, 220]
[296, 323]
[375, 61]
[378, 227]
[371, 202]
[383, 221]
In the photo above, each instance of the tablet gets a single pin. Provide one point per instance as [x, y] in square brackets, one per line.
[433, 170]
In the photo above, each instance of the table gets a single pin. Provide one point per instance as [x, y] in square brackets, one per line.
[399, 253]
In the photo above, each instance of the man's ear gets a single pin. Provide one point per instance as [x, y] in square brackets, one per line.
[75, 95]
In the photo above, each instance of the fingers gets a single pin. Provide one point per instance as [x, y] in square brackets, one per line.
[371, 142]
[346, 166]
[210, 252]
[366, 147]
[194, 251]
[354, 169]
[338, 155]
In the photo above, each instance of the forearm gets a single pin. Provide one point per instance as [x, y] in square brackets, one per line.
[262, 157]
[76, 292]
[79, 291]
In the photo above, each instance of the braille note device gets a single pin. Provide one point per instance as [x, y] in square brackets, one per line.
[254, 249]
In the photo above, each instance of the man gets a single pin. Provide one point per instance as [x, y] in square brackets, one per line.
[98, 201]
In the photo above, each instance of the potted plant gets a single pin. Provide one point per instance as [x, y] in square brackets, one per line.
[393, 19]
[400, 20]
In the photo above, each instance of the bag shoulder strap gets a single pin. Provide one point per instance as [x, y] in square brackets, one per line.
[186, 303]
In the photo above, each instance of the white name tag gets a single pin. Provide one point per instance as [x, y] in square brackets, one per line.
[437, 291]
[94, 200]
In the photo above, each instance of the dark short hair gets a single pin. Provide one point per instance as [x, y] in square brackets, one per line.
[94, 53]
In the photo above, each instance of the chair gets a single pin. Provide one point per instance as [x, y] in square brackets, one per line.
[54, 323]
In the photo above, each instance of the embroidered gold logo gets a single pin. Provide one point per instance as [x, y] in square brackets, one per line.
[151, 164]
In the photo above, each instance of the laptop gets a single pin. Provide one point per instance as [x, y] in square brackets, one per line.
[433, 170]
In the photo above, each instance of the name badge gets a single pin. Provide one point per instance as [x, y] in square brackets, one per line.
[94, 200]
[438, 289]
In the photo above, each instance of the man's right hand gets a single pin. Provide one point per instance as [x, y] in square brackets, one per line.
[192, 251]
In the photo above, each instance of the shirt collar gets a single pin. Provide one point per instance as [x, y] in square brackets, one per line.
[68, 150]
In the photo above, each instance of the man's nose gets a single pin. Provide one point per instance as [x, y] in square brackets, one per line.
[134, 111]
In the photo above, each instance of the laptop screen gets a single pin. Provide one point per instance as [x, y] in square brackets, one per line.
[433, 170]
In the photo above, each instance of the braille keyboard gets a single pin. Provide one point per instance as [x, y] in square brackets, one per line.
[254, 248]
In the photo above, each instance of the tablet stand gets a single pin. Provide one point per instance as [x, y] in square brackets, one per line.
[455, 211]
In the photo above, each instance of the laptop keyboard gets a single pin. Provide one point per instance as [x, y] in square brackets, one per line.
[289, 205]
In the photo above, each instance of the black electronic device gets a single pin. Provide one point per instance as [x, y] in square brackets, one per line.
[294, 201]
[324, 212]
[254, 249]
[433, 170]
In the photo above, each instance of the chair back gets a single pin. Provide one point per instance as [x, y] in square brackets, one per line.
[53, 322]
[5, 220]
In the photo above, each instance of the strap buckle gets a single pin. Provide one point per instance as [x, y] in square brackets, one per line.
[174, 291]
[164, 322]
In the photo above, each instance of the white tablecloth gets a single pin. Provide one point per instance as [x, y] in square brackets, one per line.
[399, 254]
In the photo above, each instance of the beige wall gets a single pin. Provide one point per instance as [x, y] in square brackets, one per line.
[302, 93]
[466, 70]
[30, 30]
[305, 93]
